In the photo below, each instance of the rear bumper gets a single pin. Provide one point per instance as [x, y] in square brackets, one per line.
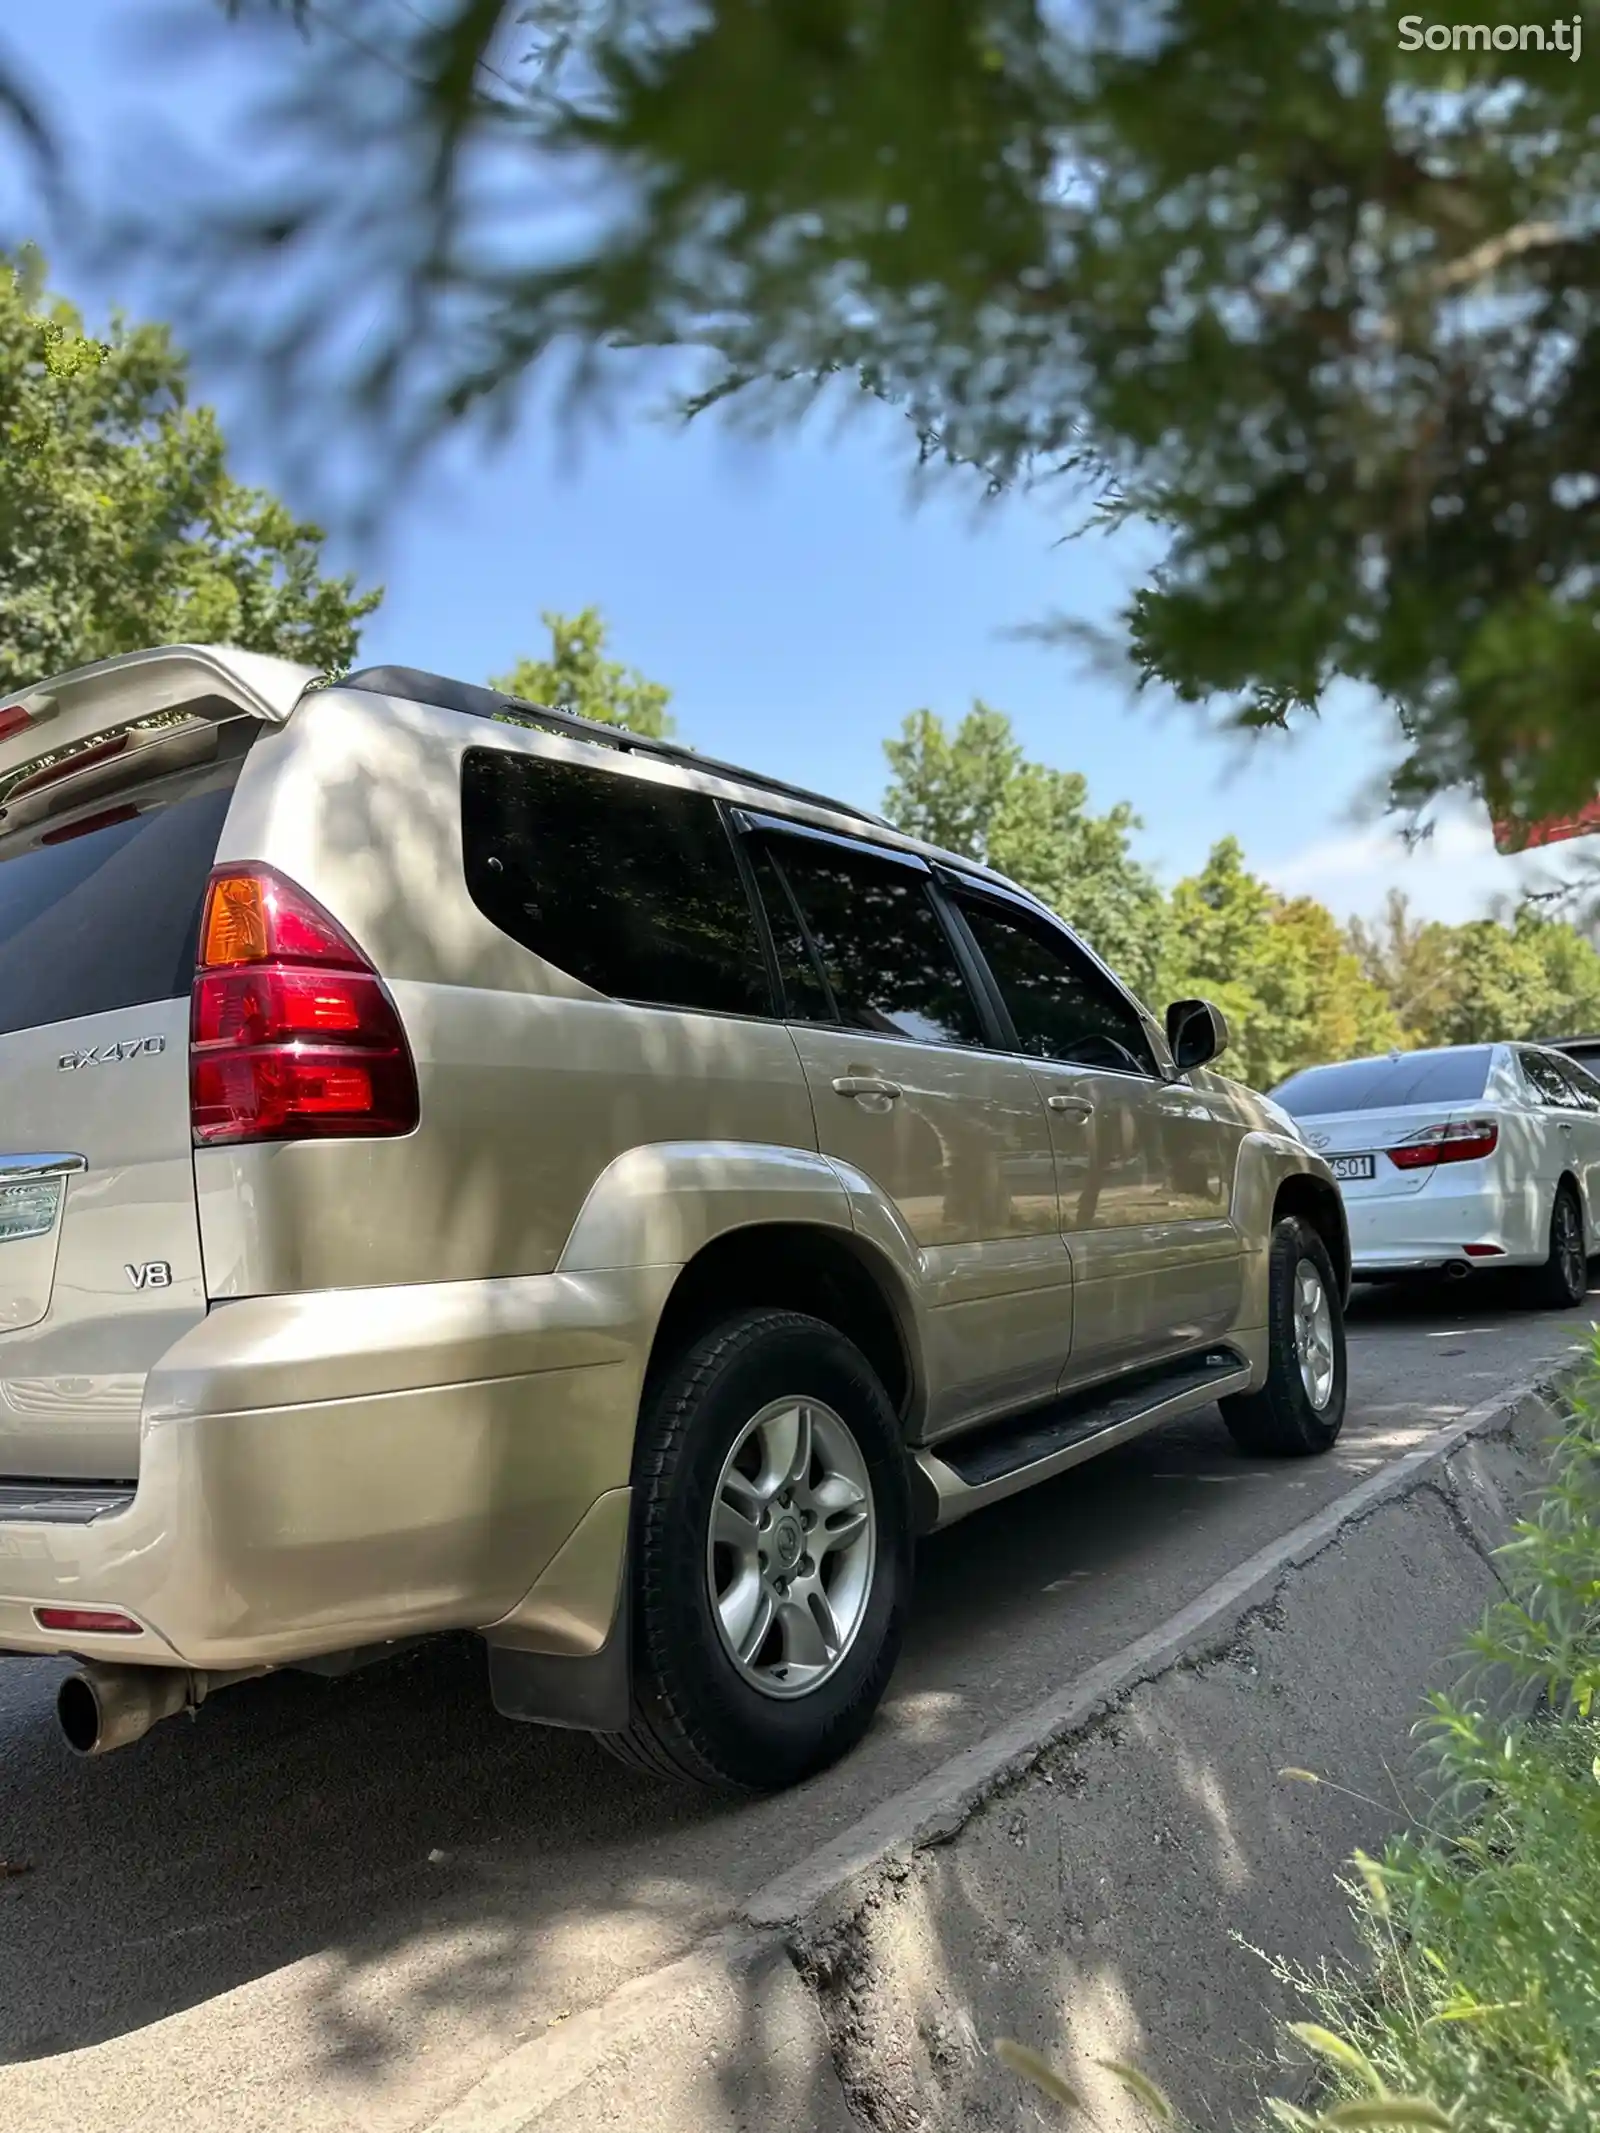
[1417, 1232]
[319, 1473]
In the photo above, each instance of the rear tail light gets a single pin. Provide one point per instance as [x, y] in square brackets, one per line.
[1463, 1142]
[292, 1034]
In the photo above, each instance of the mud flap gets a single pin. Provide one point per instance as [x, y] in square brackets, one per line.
[593, 1694]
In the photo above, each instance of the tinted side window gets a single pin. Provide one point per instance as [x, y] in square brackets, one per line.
[887, 956]
[103, 912]
[627, 886]
[1549, 1081]
[1061, 1006]
[805, 997]
[1584, 1084]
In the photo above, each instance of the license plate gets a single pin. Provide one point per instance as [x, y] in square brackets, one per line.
[28, 1210]
[1351, 1166]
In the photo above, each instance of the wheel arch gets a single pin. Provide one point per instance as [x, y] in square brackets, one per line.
[1317, 1201]
[828, 1272]
[1276, 1176]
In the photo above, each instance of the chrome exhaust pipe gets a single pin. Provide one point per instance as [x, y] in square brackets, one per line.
[1456, 1269]
[104, 1707]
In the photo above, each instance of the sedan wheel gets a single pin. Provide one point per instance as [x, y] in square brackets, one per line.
[1563, 1280]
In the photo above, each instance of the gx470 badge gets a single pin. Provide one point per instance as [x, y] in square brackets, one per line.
[109, 1054]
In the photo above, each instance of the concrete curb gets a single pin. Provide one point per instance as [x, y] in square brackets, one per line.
[649, 2054]
[933, 1809]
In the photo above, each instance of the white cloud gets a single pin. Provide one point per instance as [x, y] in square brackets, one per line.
[1455, 874]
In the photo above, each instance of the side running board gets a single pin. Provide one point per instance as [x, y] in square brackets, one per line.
[1001, 1458]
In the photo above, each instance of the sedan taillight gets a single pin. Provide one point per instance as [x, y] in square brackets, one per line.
[1463, 1142]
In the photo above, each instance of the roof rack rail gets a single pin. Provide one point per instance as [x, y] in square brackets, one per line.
[416, 685]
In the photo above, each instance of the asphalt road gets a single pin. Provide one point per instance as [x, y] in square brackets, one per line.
[323, 1907]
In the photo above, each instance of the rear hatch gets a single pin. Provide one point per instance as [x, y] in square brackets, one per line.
[114, 786]
[1356, 1114]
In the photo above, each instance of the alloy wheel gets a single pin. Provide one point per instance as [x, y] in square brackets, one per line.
[792, 1547]
[1313, 1334]
[1569, 1244]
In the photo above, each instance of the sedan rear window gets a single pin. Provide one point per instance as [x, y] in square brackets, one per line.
[1454, 1077]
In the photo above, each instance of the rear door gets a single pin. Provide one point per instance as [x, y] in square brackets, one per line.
[104, 855]
[907, 1089]
[1584, 1096]
[1571, 1115]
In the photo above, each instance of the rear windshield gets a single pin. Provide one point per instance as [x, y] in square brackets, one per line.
[103, 911]
[1377, 1084]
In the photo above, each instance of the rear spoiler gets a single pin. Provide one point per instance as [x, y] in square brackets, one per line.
[44, 728]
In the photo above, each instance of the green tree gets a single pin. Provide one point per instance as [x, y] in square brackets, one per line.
[120, 525]
[973, 791]
[1322, 303]
[1409, 960]
[576, 676]
[1293, 991]
[1483, 981]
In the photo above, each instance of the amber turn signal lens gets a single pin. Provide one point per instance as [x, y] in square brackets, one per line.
[236, 928]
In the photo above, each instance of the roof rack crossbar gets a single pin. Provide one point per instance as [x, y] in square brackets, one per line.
[416, 685]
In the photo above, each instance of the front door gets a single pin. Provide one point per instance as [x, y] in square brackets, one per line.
[908, 1091]
[1144, 1162]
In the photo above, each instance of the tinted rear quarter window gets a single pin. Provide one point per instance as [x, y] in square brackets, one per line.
[627, 885]
[1457, 1077]
[106, 914]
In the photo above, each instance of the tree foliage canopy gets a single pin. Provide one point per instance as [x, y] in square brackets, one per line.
[974, 792]
[1298, 988]
[1320, 305]
[120, 525]
[1484, 980]
[576, 676]
[1293, 991]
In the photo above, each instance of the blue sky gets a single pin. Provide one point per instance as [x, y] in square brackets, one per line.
[794, 596]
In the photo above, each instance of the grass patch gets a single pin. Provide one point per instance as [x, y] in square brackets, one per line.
[1479, 2009]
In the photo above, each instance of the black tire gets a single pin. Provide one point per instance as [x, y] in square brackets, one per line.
[1282, 1421]
[1563, 1281]
[695, 1714]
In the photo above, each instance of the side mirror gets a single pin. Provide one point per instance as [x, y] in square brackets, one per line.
[1197, 1033]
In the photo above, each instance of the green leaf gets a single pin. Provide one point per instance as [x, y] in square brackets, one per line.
[1372, 1876]
[1386, 2111]
[1476, 2011]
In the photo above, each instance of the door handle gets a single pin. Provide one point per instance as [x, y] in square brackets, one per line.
[1074, 1106]
[865, 1085]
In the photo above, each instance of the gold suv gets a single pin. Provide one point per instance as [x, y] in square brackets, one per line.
[462, 1167]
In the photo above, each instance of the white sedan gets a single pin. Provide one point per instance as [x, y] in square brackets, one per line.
[1472, 1156]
